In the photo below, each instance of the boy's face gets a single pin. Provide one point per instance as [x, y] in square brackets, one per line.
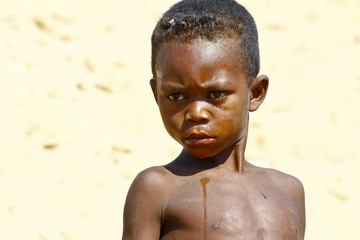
[203, 95]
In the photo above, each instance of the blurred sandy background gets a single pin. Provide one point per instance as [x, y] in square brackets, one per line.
[78, 121]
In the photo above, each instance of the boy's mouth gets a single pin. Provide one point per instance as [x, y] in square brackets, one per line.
[199, 139]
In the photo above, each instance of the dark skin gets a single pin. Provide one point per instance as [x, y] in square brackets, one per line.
[210, 191]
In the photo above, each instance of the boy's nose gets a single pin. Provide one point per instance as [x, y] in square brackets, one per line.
[196, 112]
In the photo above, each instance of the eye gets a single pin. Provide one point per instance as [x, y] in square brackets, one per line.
[175, 97]
[216, 94]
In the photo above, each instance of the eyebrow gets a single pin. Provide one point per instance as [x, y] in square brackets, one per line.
[171, 87]
[217, 84]
[208, 85]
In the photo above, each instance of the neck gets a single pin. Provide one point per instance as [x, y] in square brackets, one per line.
[236, 161]
[239, 162]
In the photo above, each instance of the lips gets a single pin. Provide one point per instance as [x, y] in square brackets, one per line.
[199, 138]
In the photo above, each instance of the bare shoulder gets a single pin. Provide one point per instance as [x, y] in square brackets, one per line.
[287, 183]
[152, 180]
[150, 185]
[294, 189]
[153, 173]
[145, 204]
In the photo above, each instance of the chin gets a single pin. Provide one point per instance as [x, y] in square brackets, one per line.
[215, 151]
[201, 154]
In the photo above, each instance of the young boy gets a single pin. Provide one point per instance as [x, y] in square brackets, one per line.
[205, 63]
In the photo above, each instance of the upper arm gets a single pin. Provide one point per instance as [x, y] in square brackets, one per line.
[294, 188]
[295, 191]
[143, 207]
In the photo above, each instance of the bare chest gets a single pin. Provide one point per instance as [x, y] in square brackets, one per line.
[222, 210]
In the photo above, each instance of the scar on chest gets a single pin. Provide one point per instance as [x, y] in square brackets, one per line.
[264, 196]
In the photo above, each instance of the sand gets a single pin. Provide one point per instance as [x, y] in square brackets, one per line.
[79, 121]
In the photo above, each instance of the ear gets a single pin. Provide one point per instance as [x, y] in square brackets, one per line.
[258, 89]
[154, 88]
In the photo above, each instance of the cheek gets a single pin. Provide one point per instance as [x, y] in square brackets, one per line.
[225, 125]
[242, 110]
[172, 121]
[233, 121]
[229, 128]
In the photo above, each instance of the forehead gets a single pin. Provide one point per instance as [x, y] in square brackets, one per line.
[184, 57]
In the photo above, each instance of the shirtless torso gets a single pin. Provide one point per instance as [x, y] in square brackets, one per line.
[257, 204]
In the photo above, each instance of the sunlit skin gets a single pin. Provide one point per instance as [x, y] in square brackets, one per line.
[210, 191]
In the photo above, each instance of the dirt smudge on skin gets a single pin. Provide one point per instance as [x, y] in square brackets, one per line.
[203, 182]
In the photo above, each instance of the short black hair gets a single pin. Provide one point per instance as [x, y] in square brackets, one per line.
[209, 20]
